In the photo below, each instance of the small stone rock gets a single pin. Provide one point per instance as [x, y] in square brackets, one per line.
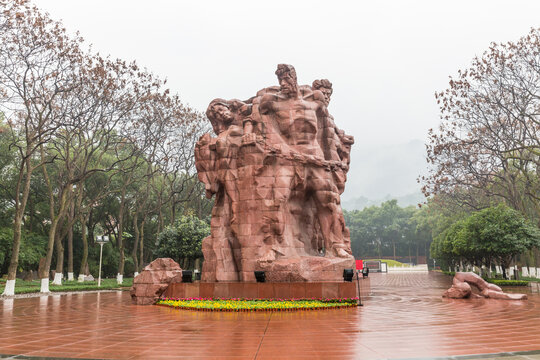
[154, 280]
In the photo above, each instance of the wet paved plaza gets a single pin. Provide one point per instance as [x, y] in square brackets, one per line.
[404, 318]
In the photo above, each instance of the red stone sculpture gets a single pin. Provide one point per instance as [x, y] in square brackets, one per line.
[277, 167]
[154, 280]
[461, 288]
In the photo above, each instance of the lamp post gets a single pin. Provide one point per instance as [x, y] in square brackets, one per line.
[101, 240]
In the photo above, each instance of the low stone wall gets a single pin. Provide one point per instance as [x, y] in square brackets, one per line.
[416, 268]
[296, 290]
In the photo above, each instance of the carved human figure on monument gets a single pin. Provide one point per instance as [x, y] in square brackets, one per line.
[217, 169]
[295, 114]
[335, 143]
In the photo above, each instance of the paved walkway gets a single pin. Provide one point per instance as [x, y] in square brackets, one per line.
[404, 318]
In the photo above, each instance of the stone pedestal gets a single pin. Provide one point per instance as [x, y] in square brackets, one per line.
[268, 290]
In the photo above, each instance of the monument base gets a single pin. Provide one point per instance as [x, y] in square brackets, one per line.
[294, 269]
[306, 268]
[268, 290]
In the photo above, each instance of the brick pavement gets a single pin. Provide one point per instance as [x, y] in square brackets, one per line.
[405, 317]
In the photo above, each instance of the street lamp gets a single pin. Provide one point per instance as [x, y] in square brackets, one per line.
[101, 240]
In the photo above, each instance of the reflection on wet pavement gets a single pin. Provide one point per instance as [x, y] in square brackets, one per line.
[405, 317]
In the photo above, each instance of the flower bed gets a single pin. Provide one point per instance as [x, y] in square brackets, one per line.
[203, 304]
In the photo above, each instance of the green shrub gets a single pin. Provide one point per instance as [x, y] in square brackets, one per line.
[33, 247]
[183, 240]
[508, 282]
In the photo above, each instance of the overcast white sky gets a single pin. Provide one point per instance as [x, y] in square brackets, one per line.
[386, 59]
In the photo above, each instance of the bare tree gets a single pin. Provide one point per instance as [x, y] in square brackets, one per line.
[487, 147]
[181, 175]
[159, 116]
[92, 139]
[36, 72]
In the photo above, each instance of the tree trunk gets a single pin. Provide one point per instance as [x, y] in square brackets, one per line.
[20, 205]
[173, 209]
[160, 222]
[58, 242]
[44, 275]
[55, 220]
[505, 264]
[135, 241]
[141, 251]
[31, 214]
[121, 262]
[84, 259]
[70, 241]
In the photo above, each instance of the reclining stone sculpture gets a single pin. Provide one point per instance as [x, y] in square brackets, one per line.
[461, 288]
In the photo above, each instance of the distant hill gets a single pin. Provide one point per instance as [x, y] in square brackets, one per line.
[384, 172]
[361, 202]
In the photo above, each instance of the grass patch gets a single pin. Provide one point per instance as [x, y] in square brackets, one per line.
[27, 287]
[508, 282]
[257, 304]
[390, 263]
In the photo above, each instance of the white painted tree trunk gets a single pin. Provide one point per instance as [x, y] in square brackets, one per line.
[57, 279]
[9, 290]
[70, 276]
[135, 274]
[81, 278]
[44, 286]
[119, 278]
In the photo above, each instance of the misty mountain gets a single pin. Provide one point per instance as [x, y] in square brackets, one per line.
[361, 202]
[380, 173]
